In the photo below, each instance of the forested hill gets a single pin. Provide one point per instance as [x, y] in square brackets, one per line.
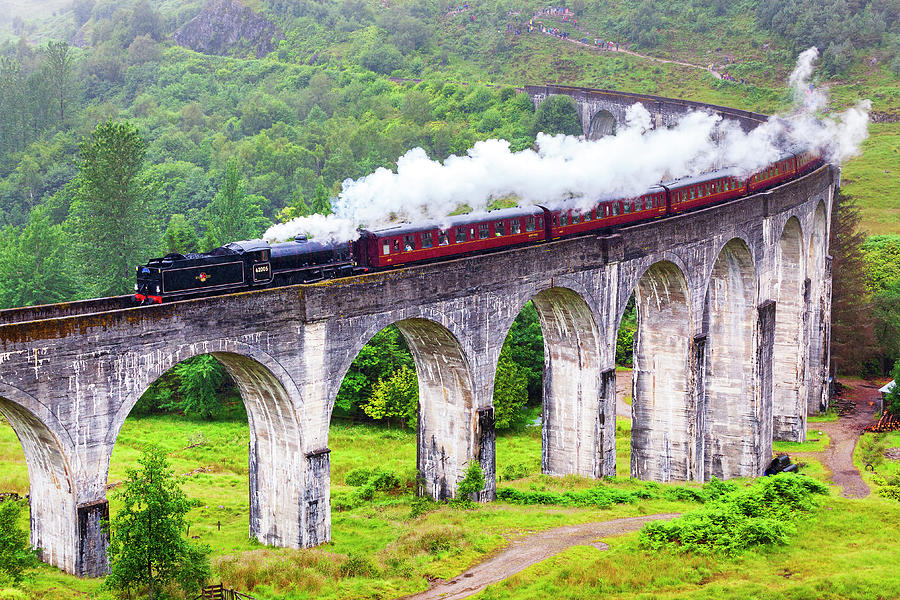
[265, 138]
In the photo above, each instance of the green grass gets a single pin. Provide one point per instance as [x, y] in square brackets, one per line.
[829, 416]
[816, 441]
[847, 549]
[394, 554]
[872, 179]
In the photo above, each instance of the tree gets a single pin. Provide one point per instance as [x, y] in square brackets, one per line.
[886, 313]
[472, 483]
[147, 545]
[625, 338]
[852, 326]
[16, 557]
[557, 114]
[525, 347]
[180, 236]
[81, 11]
[200, 378]
[384, 354]
[32, 265]
[892, 399]
[109, 214]
[510, 393]
[59, 65]
[232, 214]
[396, 397]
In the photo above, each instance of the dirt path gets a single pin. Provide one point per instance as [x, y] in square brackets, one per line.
[857, 410]
[623, 390]
[577, 42]
[531, 549]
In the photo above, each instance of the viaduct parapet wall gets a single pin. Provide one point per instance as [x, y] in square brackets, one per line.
[733, 306]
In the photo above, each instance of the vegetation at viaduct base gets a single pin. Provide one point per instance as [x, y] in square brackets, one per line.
[218, 147]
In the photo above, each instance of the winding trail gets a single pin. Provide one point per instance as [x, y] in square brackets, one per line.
[528, 550]
[859, 411]
[638, 55]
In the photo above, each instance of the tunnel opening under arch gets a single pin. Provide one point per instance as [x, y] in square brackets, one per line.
[47, 480]
[437, 406]
[246, 467]
[602, 124]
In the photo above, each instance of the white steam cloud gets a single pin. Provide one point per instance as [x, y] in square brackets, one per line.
[577, 172]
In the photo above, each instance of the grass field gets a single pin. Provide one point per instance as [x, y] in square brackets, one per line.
[872, 179]
[379, 551]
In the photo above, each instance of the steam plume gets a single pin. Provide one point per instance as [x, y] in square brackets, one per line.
[572, 171]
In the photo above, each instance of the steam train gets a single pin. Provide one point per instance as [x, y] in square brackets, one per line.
[258, 264]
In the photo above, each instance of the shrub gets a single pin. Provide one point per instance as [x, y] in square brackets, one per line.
[421, 506]
[472, 483]
[358, 566]
[515, 471]
[738, 519]
[16, 557]
[359, 476]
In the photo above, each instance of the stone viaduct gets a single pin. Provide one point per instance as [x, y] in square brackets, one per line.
[733, 307]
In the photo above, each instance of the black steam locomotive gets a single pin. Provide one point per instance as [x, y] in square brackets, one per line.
[240, 266]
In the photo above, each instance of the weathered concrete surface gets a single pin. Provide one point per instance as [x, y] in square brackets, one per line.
[708, 287]
[789, 400]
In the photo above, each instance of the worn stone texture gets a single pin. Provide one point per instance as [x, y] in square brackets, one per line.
[713, 351]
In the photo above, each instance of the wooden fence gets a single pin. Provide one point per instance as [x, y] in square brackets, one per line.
[218, 592]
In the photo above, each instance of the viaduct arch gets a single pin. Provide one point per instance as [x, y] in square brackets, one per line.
[720, 294]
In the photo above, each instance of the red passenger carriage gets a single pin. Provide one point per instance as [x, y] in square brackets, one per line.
[566, 221]
[453, 236]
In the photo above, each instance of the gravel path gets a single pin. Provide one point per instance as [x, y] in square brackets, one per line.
[858, 411]
[845, 433]
[528, 550]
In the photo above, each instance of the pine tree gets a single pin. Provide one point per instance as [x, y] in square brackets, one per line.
[852, 325]
[110, 211]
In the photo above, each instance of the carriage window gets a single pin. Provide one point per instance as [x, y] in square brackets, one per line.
[648, 203]
[483, 231]
[626, 207]
[386, 247]
[443, 239]
[409, 243]
[529, 224]
[575, 219]
[615, 208]
[515, 226]
[540, 221]
[563, 220]
[397, 245]
[460, 235]
[606, 210]
[499, 228]
[426, 240]
[692, 193]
